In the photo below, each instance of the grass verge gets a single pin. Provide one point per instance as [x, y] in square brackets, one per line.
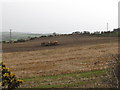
[63, 80]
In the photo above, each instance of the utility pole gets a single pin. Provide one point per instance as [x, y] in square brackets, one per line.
[10, 35]
[107, 26]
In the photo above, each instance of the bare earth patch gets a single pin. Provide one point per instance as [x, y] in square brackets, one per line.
[57, 61]
[79, 57]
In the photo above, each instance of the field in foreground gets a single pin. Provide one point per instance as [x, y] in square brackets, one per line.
[76, 62]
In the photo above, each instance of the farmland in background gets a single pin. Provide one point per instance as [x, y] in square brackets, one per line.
[18, 35]
[78, 61]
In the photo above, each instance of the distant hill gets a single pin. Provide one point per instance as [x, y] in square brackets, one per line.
[5, 36]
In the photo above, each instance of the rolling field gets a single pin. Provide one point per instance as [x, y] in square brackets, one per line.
[78, 61]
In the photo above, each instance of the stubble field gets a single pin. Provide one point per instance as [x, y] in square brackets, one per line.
[78, 61]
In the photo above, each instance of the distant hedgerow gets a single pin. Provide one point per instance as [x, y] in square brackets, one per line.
[9, 79]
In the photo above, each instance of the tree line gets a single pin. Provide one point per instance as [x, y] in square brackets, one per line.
[115, 32]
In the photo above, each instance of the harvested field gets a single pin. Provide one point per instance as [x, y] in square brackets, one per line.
[75, 54]
[65, 41]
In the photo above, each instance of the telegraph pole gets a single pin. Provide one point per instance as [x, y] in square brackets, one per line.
[107, 26]
[10, 35]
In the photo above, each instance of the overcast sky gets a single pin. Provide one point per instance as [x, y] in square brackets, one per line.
[60, 16]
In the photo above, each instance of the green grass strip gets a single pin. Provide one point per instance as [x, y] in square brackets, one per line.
[63, 85]
[76, 75]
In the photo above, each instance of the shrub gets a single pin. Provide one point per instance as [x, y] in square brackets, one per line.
[9, 79]
[50, 35]
[32, 38]
[117, 70]
[15, 42]
[3, 41]
[114, 74]
[43, 36]
[21, 40]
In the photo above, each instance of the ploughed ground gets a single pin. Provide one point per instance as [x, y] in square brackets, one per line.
[72, 55]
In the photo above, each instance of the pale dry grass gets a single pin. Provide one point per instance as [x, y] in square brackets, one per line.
[60, 60]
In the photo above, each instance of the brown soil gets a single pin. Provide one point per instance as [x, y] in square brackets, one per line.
[65, 41]
[74, 54]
